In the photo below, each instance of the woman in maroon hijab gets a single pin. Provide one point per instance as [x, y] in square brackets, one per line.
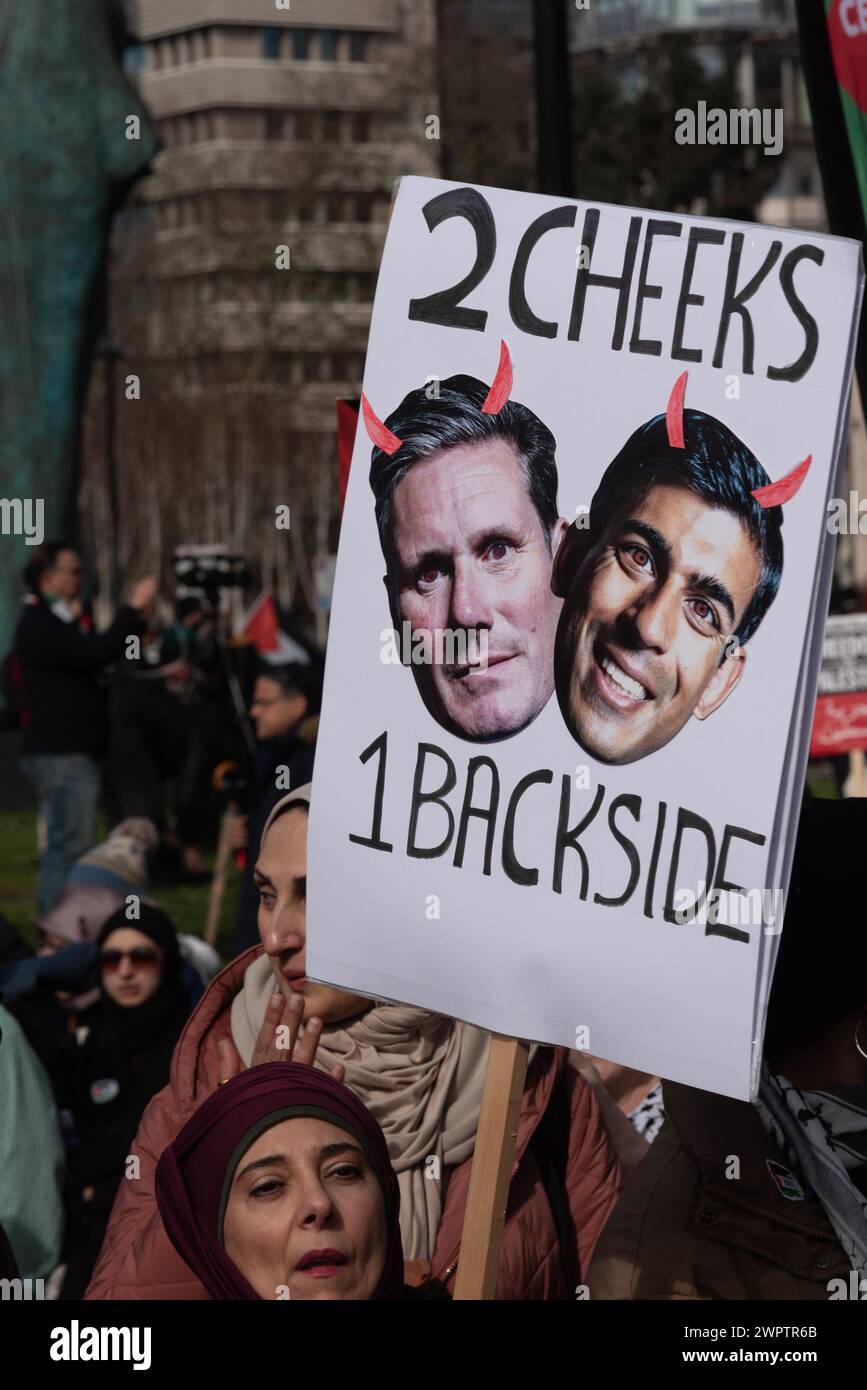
[280, 1187]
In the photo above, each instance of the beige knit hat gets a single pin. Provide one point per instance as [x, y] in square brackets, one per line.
[120, 861]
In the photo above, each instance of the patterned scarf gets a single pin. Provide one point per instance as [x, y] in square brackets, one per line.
[649, 1117]
[824, 1134]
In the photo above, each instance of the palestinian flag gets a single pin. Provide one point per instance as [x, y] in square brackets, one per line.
[847, 34]
[833, 42]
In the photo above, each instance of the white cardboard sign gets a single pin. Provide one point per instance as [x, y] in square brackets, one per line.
[512, 832]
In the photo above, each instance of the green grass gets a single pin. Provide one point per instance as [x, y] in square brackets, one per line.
[187, 905]
[820, 780]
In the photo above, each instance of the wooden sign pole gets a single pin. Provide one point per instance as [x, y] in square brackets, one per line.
[492, 1169]
[221, 870]
[856, 773]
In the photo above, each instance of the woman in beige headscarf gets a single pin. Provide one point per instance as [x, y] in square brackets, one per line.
[420, 1075]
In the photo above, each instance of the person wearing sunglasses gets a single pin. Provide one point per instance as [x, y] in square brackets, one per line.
[122, 1063]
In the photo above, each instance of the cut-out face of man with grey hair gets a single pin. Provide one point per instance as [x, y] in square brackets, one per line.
[466, 506]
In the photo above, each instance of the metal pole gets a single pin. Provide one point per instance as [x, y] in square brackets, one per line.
[554, 169]
[111, 352]
[111, 465]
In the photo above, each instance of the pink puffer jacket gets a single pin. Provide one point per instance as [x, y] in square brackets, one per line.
[138, 1261]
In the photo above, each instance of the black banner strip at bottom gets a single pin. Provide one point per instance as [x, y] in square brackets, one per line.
[157, 1337]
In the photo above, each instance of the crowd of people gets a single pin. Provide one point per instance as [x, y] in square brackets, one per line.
[173, 1125]
[137, 717]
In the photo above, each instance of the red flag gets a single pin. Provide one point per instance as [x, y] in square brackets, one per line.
[262, 625]
[347, 423]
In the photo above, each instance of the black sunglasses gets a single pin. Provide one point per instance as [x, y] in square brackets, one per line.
[139, 955]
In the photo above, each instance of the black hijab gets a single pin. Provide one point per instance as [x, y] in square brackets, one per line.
[125, 1060]
[132, 1030]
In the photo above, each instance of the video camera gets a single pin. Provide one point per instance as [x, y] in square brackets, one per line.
[229, 781]
[206, 569]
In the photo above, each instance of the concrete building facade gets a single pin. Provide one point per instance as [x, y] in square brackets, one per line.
[757, 38]
[243, 272]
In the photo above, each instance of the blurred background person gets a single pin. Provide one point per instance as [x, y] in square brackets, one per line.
[123, 1061]
[8, 1265]
[31, 1156]
[60, 658]
[196, 682]
[164, 737]
[285, 713]
[52, 993]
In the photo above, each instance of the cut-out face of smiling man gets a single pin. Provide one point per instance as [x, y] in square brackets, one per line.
[662, 591]
[467, 514]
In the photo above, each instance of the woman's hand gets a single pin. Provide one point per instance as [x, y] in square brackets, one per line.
[278, 1039]
[143, 594]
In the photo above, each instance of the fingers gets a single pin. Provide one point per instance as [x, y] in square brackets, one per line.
[230, 1061]
[279, 1031]
[294, 1008]
[338, 1071]
[268, 1030]
[266, 1043]
[278, 1039]
[306, 1049]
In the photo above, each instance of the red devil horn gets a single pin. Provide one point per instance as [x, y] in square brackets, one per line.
[776, 494]
[379, 433]
[501, 385]
[674, 413]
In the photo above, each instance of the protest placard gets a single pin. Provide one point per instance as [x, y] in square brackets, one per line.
[840, 724]
[577, 622]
